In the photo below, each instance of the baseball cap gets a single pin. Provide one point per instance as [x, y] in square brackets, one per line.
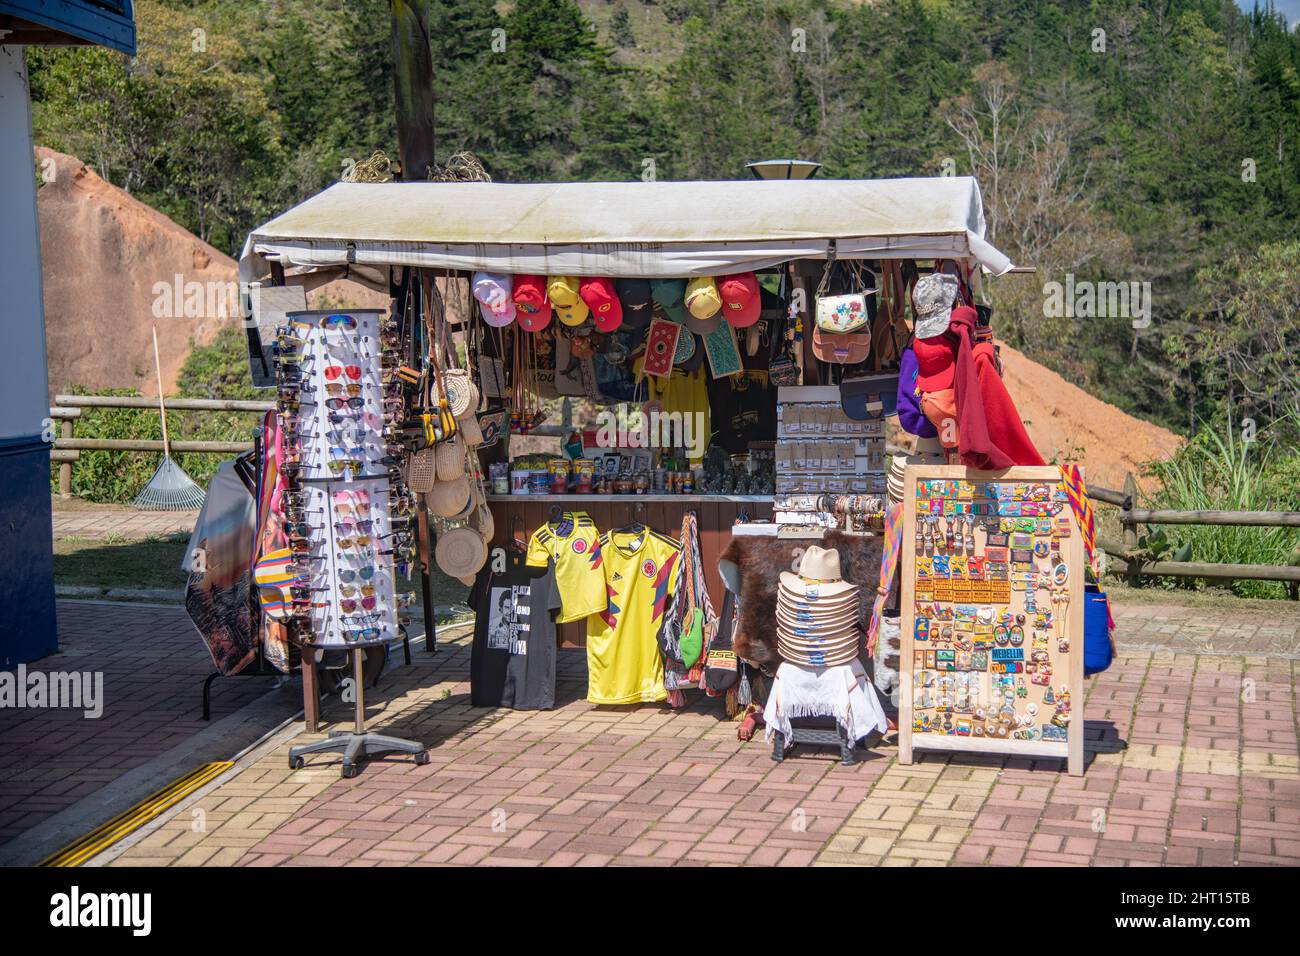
[606, 310]
[574, 314]
[634, 294]
[702, 299]
[493, 293]
[671, 295]
[740, 299]
[936, 362]
[562, 290]
[531, 306]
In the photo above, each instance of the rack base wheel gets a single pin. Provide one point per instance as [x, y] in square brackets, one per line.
[357, 748]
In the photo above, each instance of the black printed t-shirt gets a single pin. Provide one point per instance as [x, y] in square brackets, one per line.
[512, 660]
[743, 410]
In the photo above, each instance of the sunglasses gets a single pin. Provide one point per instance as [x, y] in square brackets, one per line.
[353, 527]
[338, 321]
[347, 451]
[342, 388]
[349, 604]
[348, 575]
[351, 371]
[352, 590]
[361, 634]
[354, 402]
[338, 465]
[356, 541]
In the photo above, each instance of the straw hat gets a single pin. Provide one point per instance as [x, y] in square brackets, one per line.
[816, 636]
[819, 576]
[805, 620]
[461, 552]
[834, 658]
[451, 498]
[798, 599]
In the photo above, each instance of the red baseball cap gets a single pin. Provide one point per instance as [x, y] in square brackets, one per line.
[741, 303]
[936, 362]
[606, 310]
[532, 308]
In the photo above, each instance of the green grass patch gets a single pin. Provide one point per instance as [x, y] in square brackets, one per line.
[1218, 473]
[147, 563]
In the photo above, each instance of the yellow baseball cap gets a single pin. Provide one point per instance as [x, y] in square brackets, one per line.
[573, 314]
[702, 299]
[563, 291]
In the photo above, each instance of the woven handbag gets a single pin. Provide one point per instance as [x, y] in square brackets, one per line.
[422, 473]
[449, 459]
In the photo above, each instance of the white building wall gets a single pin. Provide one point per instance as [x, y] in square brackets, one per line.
[24, 388]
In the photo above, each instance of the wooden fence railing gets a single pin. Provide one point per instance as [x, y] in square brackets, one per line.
[1136, 566]
[68, 448]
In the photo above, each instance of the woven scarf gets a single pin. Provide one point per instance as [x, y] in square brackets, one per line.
[1076, 492]
[694, 593]
[888, 565]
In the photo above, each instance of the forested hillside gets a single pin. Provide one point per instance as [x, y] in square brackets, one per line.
[1142, 141]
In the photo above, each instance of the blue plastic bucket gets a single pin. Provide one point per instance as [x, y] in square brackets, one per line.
[1096, 632]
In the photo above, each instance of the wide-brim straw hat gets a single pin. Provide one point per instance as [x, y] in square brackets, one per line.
[827, 622]
[461, 552]
[449, 499]
[818, 658]
[799, 594]
[813, 589]
[800, 608]
[818, 636]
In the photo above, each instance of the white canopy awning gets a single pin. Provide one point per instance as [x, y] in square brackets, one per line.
[664, 229]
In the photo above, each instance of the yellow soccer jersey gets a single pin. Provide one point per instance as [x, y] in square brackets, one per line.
[623, 663]
[573, 543]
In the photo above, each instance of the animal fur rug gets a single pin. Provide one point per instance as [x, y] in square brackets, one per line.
[755, 565]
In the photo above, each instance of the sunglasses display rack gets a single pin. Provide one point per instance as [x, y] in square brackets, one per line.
[342, 539]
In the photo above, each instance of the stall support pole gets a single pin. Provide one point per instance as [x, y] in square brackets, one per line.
[426, 583]
[310, 692]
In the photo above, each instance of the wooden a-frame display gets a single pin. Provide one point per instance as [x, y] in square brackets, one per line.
[1067, 668]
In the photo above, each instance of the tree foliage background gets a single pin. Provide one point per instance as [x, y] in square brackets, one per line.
[1123, 140]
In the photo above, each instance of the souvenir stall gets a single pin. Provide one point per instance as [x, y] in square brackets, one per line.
[730, 358]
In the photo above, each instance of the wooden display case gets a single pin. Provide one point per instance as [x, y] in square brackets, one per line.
[1066, 667]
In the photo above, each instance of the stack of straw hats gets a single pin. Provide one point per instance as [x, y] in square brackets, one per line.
[818, 613]
[894, 481]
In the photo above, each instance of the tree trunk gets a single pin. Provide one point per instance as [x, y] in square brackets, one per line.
[413, 85]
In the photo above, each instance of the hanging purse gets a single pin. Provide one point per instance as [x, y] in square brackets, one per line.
[842, 314]
[868, 397]
[782, 370]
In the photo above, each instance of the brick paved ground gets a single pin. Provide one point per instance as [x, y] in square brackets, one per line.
[91, 521]
[1192, 760]
[153, 664]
